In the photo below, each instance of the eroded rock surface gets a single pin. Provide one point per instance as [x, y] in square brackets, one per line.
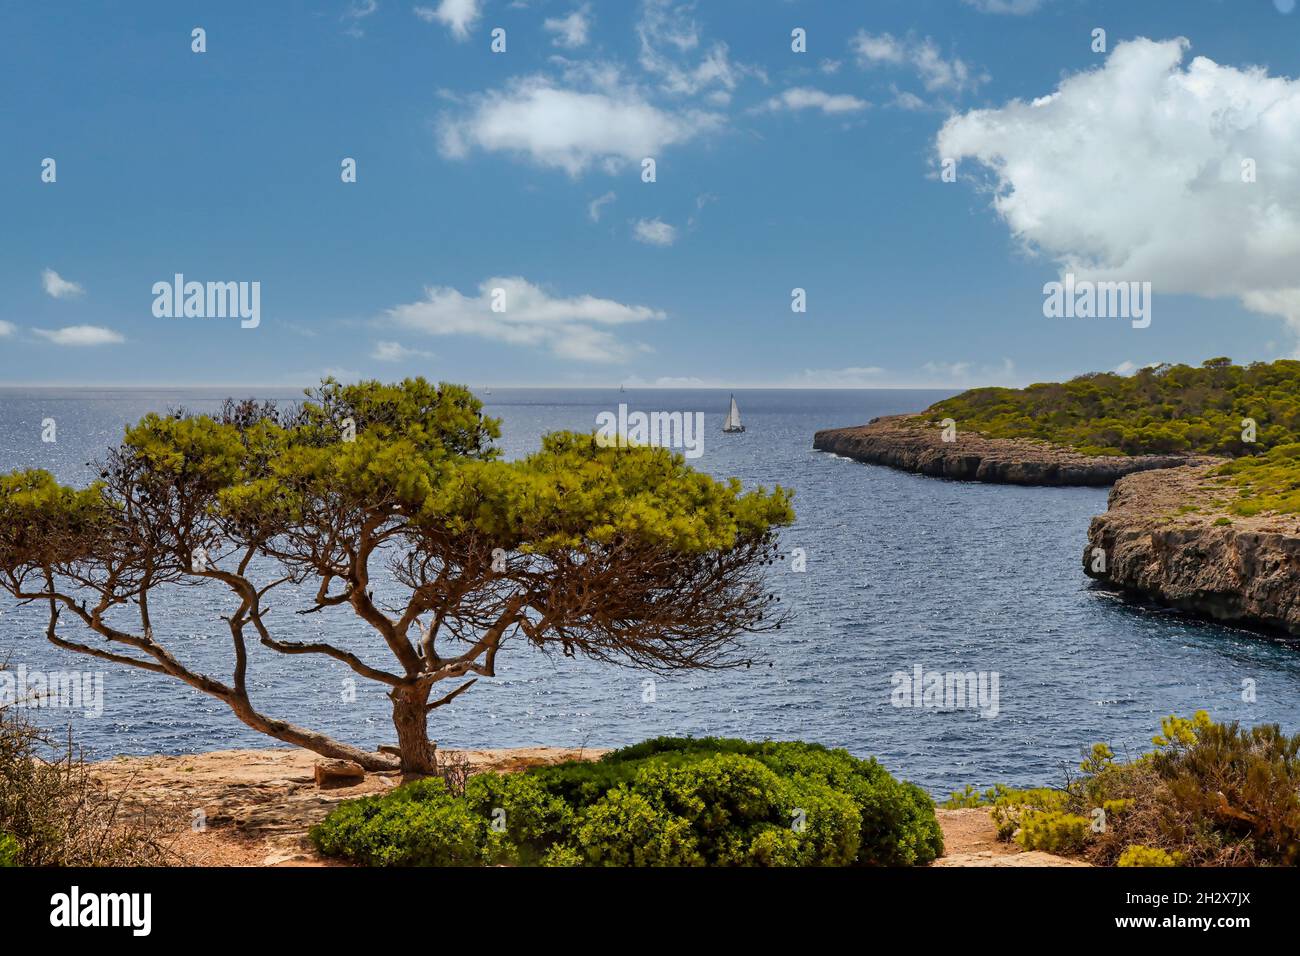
[1169, 536]
[899, 442]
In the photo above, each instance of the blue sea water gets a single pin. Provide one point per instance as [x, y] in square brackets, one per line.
[901, 570]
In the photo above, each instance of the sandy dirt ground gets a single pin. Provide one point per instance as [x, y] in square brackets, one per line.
[970, 838]
[257, 805]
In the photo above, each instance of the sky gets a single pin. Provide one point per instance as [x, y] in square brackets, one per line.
[503, 227]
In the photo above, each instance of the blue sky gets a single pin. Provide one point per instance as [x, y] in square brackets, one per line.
[775, 170]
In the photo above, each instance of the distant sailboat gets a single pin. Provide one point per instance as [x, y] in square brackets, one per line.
[732, 424]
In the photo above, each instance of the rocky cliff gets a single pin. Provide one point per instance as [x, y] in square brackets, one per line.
[1169, 537]
[900, 442]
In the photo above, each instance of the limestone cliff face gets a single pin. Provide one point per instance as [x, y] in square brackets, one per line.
[1247, 571]
[897, 442]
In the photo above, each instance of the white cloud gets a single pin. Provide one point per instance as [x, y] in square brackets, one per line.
[572, 31]
[679, 381]
[666, 23]
[906, 100]
[805, 98]
[7, 328]
[671, 381]
[459, 16]
[654, 232]
[576, 328]
[81, 335]
[1017, 8]
[1133, 172]
[839, 377]
[947, 369]
[58, 287]
[670, 43]
[356, 12]
[829, 66]
[1002, 373]
[396, 352]
[569, 129]
[597, 205]
[937, 74]
[874, 49]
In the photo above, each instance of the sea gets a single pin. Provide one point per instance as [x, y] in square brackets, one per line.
[885, 576]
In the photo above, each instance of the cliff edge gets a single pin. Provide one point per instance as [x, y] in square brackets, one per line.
[1169, 537]
[899, 441]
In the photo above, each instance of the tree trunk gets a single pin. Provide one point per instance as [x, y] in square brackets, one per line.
[411, 719]
[308, 739]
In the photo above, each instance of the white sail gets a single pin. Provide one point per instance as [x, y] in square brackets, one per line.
[732, 424]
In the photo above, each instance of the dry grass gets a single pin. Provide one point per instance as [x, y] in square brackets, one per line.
[60, 817]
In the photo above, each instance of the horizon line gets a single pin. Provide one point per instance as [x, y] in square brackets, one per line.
[555, 387]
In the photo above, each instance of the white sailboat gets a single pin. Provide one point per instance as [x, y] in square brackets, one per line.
[732, 424]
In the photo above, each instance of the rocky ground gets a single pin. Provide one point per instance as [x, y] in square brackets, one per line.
[897, 441]
[1169, 536]
[257, 805]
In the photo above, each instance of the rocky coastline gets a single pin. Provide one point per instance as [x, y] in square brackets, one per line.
[1169, 537]
[900, 441]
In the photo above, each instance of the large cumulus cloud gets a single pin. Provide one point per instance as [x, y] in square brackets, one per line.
[1133, 171]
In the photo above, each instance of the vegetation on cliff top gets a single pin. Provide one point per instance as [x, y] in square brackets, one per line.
[1165, 409]
[1210, 794]
[1266, 483]
[664, 802]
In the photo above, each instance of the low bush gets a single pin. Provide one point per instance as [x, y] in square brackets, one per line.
[1138, 855]
[420, 824]
[1052, 831]
[1267, 483]
[9, 850]
[665, 802]
[53, 814]
[1210, 794]
[1010, 807]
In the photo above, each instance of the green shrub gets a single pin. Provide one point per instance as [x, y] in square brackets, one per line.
[665, 802]
[1138, 855]
[1244, 783]
[1214, 794]
[1010, 807]
[9, 850]
[898, 825]
[562, 856]
[968, 798]
[1165, 409]
[724, 810]
[1052, 831]
[623, 828]
[419, 824]
[533, 818]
